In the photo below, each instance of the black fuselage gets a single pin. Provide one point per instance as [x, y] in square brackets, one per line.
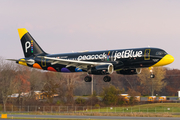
[121, 59]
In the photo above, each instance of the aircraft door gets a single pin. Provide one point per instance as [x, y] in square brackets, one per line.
[43, 62]
[147, 54]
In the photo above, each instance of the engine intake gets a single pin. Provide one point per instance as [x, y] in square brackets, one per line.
[129, 71]
[102, 69]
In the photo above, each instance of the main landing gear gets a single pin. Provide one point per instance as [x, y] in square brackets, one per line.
[89, 78]
[107, 79]
[151, 71]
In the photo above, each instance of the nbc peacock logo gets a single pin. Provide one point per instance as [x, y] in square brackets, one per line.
[108, 56]
[31, 46]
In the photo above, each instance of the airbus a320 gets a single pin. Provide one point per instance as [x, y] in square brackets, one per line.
[123, 61]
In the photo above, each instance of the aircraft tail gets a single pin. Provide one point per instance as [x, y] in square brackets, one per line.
[29, 45]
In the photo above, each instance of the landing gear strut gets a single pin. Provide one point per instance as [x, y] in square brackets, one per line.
[107, 79]
[151, 71]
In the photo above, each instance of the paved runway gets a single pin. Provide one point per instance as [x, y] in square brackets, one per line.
[93, 117]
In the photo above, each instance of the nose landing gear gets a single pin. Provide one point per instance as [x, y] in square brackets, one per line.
[151, 71]
[152, 76]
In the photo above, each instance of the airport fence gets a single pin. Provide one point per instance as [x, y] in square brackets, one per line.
[92, 109]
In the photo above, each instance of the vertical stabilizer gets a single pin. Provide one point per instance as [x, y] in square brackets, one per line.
[29, 45]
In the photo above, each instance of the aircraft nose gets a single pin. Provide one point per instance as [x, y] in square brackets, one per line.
[167, 59]
[170, 58]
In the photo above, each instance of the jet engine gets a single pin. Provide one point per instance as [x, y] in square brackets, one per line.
[101, 69]
[129, 71]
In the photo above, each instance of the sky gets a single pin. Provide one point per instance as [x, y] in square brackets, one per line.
[63, 26]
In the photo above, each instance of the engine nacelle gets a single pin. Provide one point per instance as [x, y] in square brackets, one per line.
[102, 69]
[129, 71]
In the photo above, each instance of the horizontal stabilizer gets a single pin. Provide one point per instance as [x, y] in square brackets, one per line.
[25, 61]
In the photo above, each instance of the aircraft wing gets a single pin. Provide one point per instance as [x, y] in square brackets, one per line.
[74, 63]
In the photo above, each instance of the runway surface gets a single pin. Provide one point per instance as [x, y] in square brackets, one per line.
[92, 117]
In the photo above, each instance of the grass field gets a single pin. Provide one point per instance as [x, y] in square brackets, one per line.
[148, 108]
[145, 110]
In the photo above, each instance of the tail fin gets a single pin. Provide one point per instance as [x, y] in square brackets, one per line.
[29, 45]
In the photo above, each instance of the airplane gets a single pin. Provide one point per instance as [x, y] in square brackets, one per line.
[123, 61]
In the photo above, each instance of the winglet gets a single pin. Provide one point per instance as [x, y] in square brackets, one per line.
[22, 32]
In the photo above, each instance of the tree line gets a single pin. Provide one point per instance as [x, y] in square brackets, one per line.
[19, 79]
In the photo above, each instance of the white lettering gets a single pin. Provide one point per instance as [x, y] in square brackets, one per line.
[140, 54]
[117, 55]
[27, 45]
[127, 54]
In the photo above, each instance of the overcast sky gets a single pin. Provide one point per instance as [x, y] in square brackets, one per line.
[62, 26]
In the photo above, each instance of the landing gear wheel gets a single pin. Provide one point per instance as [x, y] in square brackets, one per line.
[87, 79]
[151, 71]
[152, 76]
[107, 79]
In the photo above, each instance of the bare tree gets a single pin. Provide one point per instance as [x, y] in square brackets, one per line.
[153, 84]
[21, 79]
[8, 84]
[36, 81]
[61, 84]
[70, 86]
[50, 86]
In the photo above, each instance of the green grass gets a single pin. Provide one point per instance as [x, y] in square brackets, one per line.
[153, 108]
[145, 108]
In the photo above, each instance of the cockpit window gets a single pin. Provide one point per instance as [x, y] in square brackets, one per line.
[161, 53]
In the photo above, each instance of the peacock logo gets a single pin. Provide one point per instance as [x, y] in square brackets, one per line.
[31, 46]
[108, 56]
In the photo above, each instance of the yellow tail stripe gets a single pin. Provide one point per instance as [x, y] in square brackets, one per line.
[22, 32]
